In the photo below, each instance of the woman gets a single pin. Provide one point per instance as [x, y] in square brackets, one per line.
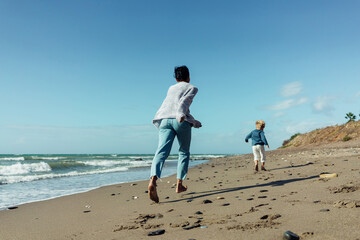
[174, 119]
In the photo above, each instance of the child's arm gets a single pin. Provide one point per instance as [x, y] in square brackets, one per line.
[248, 137]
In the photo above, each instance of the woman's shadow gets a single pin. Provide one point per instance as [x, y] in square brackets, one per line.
[234, 189]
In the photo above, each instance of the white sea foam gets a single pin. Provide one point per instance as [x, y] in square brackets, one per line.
[16, 179]
[20, 168]
[143, 163]
[104, 163]
[206, 156]
[110, 163]
[12, 159]
[47, 158]
[140, 157]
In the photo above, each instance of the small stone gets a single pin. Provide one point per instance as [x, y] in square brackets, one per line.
[261, 205]
[167, 197]
[225, 204]
[133, 184]
[328, 175]
[12, 208]
[157, 232]
[262, 196]
[199, 212]
[275, 216]
[264, 217]
[220, 198]
[190, 200]
[87, 211]
[288, 235]
[324, 210]
[264, 190]
[207, 201]
[252, 209]
[191, 227]
[159, 215]
[146, 191]
[249, 199]
[317, 201]
[113, 194]
[170, 210]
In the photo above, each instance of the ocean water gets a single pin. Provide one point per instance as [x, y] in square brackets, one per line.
[30, 178]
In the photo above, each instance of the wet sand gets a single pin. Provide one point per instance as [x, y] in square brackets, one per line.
[226, 199]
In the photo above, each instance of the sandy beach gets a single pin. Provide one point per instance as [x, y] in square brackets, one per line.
[226, 199]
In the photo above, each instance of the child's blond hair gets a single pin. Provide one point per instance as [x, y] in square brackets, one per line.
[260, 124]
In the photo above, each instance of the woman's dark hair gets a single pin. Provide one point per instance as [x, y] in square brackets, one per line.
[181, 73]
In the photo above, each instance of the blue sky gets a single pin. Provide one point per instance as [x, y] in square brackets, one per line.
[88, 76]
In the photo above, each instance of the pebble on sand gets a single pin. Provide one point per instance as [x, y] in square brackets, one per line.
[207, 201]
[289, 235]
[191, 227]
[328, 175]
[157, 232]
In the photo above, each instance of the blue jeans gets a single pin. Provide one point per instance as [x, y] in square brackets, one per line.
[169, 128]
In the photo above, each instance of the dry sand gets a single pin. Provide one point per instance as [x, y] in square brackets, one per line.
[242, 204]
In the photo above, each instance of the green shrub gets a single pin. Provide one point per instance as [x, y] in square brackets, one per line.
[350, 116]
[294, 136]
[346, 138]
[286, 142]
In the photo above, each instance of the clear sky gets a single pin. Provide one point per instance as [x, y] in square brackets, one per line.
[88, 76]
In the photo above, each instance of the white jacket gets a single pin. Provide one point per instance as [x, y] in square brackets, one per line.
[177, 103]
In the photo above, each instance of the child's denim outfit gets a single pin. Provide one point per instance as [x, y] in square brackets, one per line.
[167, 119]
[258, 141]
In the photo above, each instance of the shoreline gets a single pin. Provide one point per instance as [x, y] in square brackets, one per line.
[242, 204]
[167, 173]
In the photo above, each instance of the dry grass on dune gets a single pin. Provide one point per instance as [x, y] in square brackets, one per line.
[340, 133]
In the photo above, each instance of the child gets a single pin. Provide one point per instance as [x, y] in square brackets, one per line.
[174, 119]
[258, 141]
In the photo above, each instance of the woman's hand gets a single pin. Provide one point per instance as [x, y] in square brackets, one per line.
[197, 124]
